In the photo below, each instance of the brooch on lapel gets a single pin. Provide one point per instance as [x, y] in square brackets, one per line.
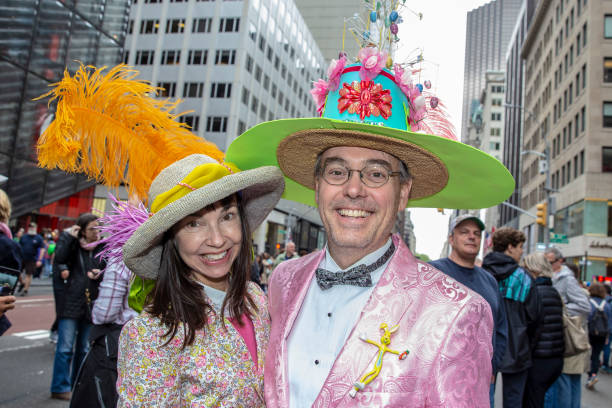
[385, 340]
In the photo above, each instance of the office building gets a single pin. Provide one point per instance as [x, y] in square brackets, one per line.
[568, 92]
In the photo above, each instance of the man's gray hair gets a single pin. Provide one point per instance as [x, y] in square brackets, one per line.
[555, 252]
[404, 177]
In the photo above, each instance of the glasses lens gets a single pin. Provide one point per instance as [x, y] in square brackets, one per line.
[335, 174]
[375, 176]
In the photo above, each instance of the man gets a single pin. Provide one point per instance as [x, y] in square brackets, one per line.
[522, 310]
[465, 237]
[566, 391]
[363, 322]
[31, 244]
[288, 253]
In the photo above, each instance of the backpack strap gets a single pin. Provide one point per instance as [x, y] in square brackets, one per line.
[600, 306]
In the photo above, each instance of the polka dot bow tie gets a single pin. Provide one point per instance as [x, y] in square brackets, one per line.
[360, 275]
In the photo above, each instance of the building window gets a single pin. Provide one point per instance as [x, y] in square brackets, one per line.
[229, 25]
[149, 26]
[582, 162]
[170, 57]
[193, 121]
[193, 89]
[197, 57]
[216, 124]
[262, 43]
[495, 116]
[607, 114]
[175, 25]
[225, 57]
[245, 96]
[582, 118]
[131, 27]
[241, 127]
[608, 26]
[283, 71]
[273, 91]
[495, 132]
[168, 89]
[269, 53]
[583, 73]
[262, 111]
[266, 82]
[254, 104]
[144, 57]
[258, 73]
[606, 161]
[126, 56]
[201, 25]
[281, 97]
[276, 63]
[607, 70]
[252, 31]
[221, 90]
[249, 64]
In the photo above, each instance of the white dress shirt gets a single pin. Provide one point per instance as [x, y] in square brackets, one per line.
[325, 321]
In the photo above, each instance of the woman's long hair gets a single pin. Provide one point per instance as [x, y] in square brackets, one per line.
[178, 298]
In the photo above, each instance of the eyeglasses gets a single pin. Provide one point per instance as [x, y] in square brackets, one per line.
[371, 175]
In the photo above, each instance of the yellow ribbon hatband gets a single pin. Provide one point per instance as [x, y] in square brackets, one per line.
[197, 178]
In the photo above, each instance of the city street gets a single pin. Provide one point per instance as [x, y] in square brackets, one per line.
[27, 357]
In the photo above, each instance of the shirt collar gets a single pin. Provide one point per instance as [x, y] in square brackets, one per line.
[331, 265]
[216, 296]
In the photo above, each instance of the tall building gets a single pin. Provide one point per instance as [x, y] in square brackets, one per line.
[325, 19]
[515, 111]
[41, 39]
[568, 94]
[233, 63]
[488, 32]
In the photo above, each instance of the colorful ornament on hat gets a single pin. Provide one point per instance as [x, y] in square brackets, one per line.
[433, 102]
[319, 94]
[420, 86]
[393, 16]
[365, 98]
[403, 78]
[394, 29]
[427, 84]
[372, 62]
[334, 72]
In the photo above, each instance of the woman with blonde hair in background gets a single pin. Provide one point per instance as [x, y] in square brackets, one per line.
[548, 346]
[10, 256]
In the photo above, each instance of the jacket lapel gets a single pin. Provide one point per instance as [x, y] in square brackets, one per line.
[387, 304]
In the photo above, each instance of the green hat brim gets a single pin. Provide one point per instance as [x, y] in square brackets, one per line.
[475, 179]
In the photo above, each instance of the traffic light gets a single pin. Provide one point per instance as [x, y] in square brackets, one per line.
[541, 214]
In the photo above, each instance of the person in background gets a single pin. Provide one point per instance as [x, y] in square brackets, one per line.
[78, 269]
[10, 257]
[566, 391]
[288, 253]
[600, 315]
[465, 237]
[17, 236]
[31, 243]
[606, 351]
[548, 346]
[522, 310]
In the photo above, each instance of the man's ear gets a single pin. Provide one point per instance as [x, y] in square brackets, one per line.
[404, 195]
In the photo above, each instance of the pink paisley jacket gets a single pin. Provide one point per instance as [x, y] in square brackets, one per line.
[446, 327]
[215, 371]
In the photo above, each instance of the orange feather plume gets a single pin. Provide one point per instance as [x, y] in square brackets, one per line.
[108, 126]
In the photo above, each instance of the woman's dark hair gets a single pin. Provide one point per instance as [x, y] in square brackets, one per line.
[177, 297]
[597, 290]
[82, 222]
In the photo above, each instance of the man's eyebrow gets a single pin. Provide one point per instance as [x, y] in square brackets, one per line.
[334, 159]
[379, 162]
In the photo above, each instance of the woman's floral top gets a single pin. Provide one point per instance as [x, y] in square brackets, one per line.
[215, 371]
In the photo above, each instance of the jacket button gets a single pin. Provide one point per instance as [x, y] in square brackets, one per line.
[317, 362]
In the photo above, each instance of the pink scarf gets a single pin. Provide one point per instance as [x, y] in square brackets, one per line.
[6, 230]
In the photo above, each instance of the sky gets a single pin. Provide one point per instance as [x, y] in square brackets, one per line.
[441, 35]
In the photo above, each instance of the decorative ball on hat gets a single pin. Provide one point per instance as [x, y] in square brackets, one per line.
[427, 83]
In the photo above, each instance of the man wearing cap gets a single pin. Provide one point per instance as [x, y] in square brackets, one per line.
[363, 322]
[464, 238]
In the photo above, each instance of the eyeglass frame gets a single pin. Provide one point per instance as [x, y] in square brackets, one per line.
[360, 171]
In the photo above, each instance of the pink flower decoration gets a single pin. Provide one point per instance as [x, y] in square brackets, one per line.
[334, 72]
[319, 93]
[372, 62]
[403, 79]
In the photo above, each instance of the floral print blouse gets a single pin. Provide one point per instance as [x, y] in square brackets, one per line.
[215, 371]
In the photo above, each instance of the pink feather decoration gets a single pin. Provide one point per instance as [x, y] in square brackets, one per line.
[117, 226]
[436, 121]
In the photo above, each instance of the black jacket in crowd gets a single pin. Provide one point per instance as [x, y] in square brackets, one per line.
[70, 298]
[549, 341]
[522, 305]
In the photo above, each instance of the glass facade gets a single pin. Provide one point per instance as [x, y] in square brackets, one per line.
[38, 41]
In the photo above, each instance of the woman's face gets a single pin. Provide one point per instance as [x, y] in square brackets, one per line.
[209, 242]
[91, 233]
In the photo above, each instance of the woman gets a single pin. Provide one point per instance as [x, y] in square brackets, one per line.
[201, 338]
[547, 349]
[10, 257]
[601, 312]
[75, 287]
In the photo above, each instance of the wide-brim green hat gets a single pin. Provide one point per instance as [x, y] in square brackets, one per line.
[446, 173]
[366, 105]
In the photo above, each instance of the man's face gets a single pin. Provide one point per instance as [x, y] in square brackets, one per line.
[554, 261]
[465, 240]
[290, 249]
[515, 252]
[358, 218]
